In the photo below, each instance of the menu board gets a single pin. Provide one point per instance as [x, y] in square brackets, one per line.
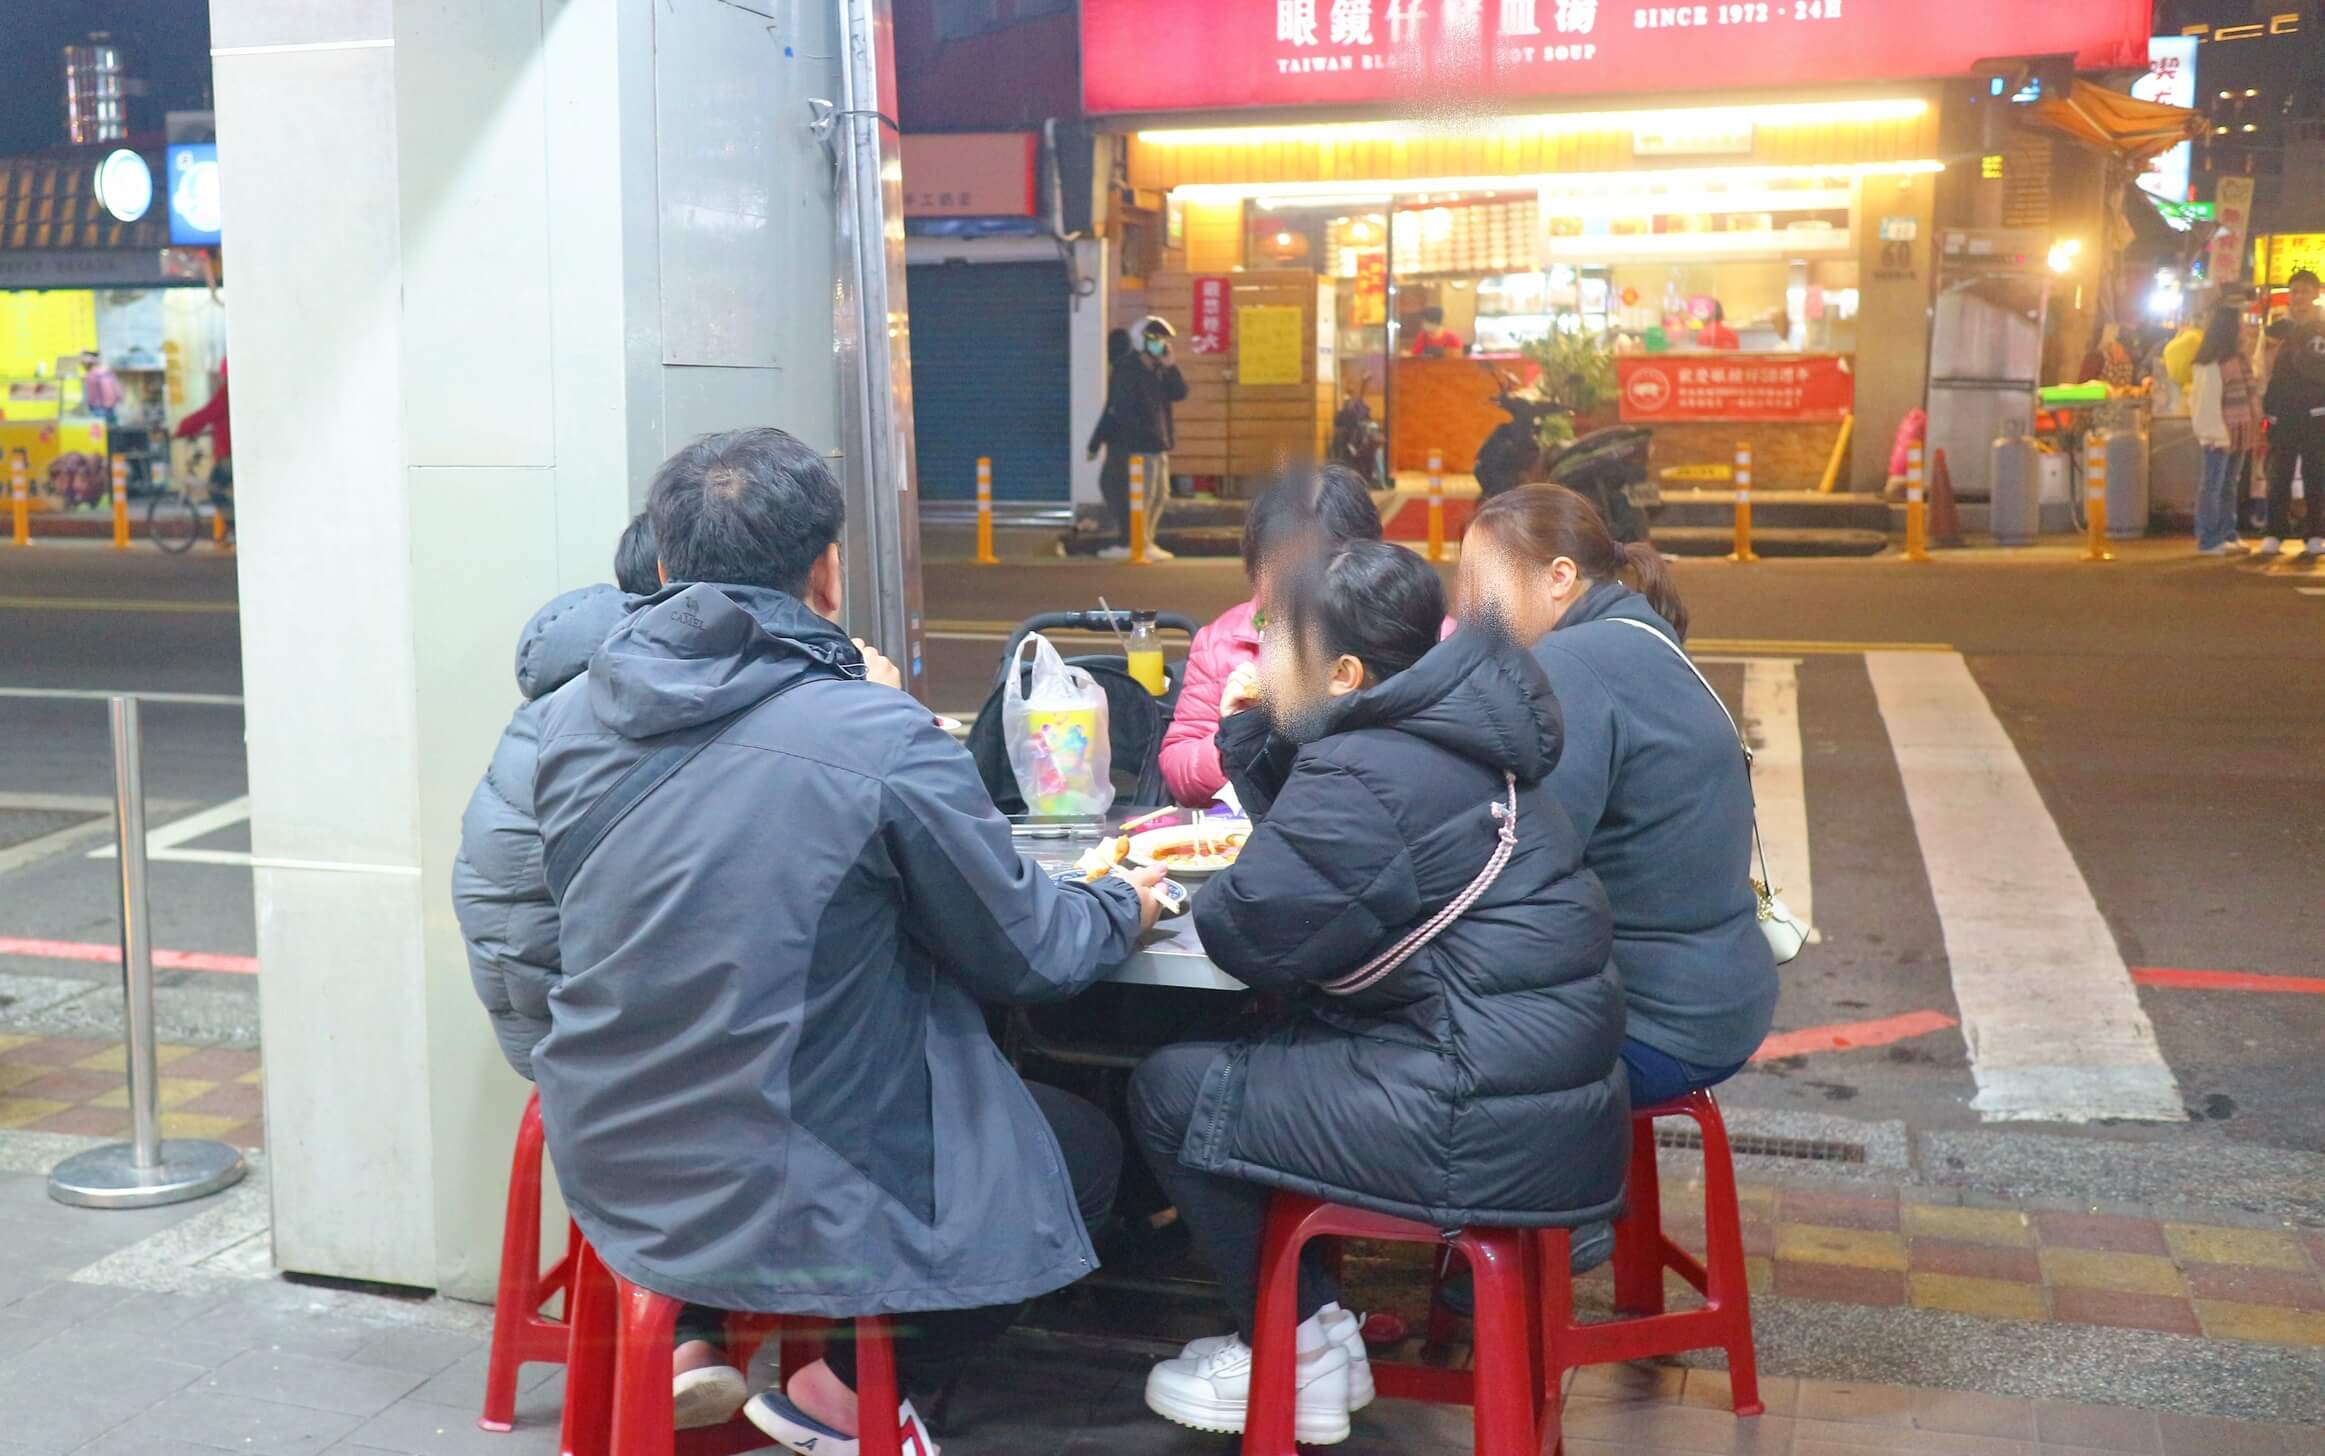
[1268, 345]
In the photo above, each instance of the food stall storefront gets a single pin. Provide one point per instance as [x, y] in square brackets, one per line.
[1770, 242]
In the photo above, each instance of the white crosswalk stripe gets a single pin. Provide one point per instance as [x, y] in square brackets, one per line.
[2055, 1028]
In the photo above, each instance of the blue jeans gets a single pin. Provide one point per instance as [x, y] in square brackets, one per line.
[1659, 1077]
[2215, 512]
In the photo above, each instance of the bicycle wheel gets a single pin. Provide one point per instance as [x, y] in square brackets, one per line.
[173, 521]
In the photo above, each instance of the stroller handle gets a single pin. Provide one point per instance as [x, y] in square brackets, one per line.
[1091, 621]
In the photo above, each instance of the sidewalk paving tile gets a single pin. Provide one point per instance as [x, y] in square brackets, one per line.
[1988, 1298]
[2225, 1319]
[2126, 1273]
[2248, 1284]
[1979, 1261]
[2116, 1309]
[2099, 1232]
[113, 1058]
[326, 1385]
[2212, 1436]
[1852, 1403]
[126, 1442]
[2116, 1429]
[1858, 1248]
[23, 1111]
[2003, 1226]
[1970, 1413]
[56, 1051]
[1836, 1438]
[169, 1092]
[242, 1423]
[420, 1351]
[1677, 1428]
[410, 1428]
[1839, 1210]
[2197, 1243]
[1632, 1382]
[1710, 1388]
[1839, 1283]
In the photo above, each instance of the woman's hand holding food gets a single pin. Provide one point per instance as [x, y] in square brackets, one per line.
[1241, 691]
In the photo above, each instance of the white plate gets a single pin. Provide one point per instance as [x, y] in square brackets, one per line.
[1145, 848]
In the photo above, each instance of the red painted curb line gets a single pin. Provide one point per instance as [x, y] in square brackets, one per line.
[110, 955]
[2172, 980]
[1851, 1034]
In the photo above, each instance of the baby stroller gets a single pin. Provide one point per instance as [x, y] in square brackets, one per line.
[1135, 717]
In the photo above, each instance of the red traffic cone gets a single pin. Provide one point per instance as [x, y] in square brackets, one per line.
[1945, 519]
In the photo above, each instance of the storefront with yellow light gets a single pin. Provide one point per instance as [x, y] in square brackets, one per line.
[1756, 260]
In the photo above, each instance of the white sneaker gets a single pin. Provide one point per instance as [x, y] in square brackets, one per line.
[2269, 546]
[797, 1431]
[1340, 1327]
[1213, 1392]
[2235, 544]
[1156, 553]
[709, 1396]
[1114, 553]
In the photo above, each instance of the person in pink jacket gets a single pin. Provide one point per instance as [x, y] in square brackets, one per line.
[1328, 506]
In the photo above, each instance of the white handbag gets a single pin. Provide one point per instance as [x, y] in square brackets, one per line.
[1786, 933]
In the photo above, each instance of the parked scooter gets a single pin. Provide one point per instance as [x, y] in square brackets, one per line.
[1356, 436]
[1607, 467]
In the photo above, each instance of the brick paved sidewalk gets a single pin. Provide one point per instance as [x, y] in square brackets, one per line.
[76, 1084]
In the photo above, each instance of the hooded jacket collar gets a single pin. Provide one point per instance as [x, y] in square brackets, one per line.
[1607, 599]
[1476, 694]
[558, 642]
[696, 652]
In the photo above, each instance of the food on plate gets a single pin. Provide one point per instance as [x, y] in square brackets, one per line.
[1099, 860]
[1192, 849]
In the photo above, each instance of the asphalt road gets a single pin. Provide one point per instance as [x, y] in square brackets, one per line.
[2167, 710]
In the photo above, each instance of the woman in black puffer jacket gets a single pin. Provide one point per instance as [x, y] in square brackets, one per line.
[1477, 1083]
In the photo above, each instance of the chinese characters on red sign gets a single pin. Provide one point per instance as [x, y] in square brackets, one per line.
[1213, 333]
[1664, 387]
[1196, 55]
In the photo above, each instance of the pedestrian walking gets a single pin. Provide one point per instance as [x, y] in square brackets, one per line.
[2226, 421]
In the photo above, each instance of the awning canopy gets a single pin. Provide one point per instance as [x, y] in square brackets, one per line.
[2121, 125]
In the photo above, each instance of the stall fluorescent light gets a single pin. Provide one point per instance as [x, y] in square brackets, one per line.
[1703, 119]
[1563, 184]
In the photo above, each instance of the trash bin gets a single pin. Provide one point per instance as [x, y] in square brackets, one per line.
[2014, 508]
[2126, 484]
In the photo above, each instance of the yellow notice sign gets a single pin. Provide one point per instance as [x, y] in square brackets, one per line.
[1268, 345]
[2289, 253]
[1698, 472]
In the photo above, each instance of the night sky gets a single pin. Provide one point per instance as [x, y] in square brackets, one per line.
[164, 43]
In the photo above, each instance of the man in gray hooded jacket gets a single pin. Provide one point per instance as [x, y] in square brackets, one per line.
[768, 1083]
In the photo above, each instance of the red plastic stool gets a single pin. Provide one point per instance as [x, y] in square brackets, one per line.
[1516, 1408]
[521, 1334]
[1643, 1251]
[617, 1380]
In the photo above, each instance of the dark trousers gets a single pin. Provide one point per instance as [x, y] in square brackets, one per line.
[1114, 486]
[1226, 1217]
[931, 1347]
[1659, 1077]
[2302, 441]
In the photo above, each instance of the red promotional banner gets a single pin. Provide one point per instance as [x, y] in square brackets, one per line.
[1214, 55]
[1214, 328]
[1669, 387]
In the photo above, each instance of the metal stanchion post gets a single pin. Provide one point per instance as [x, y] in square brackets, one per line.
[1743, 551]
[1436, 505]
[148, 1170]
[1138, 510]
[2095, 496]
[985, 556]
[20, 498]
[121, 503]
[1916, 507]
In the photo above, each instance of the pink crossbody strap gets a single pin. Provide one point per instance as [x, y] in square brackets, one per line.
[1381, 966]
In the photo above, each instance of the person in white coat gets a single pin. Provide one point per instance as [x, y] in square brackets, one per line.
[2222, 410]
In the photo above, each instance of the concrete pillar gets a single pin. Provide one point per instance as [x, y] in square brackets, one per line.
[1092, 318]
[491, 261]
[1893, 319]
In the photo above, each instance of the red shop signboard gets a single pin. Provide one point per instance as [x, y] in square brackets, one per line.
[1215, 55]
[1672, 387]
[1214, 330]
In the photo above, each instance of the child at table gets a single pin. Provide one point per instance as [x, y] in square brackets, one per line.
[1326, 507]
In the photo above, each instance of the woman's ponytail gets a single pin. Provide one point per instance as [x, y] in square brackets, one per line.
[1650, 577]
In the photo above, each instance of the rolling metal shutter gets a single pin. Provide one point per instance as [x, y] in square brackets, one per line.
[990, 376]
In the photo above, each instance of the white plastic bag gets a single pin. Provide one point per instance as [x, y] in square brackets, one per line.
[1057, 735]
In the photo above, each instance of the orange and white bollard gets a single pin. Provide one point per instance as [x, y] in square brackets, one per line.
[985, 556]
[1743, 551]
[2095, 497]
[1916, 507]
[120, 503]
[1436, 505]
[20, 498]
[1138, 510]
